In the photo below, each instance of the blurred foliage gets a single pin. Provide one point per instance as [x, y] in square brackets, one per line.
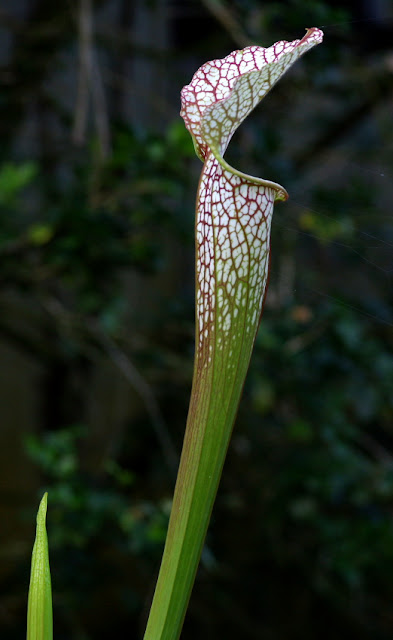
[78, 234]
[97, 520]
[335, 484]
[302, 535]
[83, 513]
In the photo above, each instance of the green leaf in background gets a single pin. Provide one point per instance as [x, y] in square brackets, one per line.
[39, 612]
[14, 178]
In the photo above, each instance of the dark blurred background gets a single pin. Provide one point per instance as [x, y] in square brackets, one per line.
[97, 187]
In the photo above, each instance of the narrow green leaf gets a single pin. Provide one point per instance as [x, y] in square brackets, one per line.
[234, 213]
[39, 611]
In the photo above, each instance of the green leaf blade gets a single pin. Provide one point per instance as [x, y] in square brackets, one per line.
[39, 611]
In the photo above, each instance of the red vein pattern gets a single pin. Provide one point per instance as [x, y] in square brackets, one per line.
[223, 92]
[232, 232]
[234, 210]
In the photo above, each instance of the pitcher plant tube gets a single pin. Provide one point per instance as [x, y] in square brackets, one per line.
[233, 219]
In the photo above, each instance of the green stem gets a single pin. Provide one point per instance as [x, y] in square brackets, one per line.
[198, 478]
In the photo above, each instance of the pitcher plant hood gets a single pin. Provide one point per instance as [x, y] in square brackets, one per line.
[223, 92]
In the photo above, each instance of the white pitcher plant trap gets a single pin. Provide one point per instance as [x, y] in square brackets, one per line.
[233, 220]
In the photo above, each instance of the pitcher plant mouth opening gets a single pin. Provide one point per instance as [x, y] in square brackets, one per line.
[232, 239]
